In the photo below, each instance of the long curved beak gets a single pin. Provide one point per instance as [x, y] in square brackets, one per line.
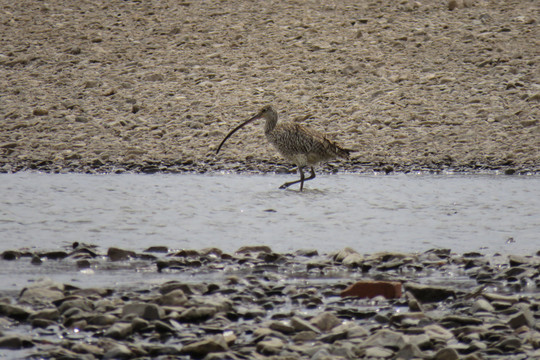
[236, 129]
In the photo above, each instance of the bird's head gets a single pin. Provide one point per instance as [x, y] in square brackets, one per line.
[268, 113]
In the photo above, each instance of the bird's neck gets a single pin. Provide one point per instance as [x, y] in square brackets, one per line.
[270, 125]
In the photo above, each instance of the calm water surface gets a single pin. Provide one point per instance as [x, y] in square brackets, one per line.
[369, 213]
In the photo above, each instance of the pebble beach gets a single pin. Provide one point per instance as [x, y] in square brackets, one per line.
[258, 304]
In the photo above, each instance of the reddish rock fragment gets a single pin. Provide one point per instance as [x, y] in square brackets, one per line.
[370, 289]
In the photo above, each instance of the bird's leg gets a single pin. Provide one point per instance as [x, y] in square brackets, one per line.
[312, 176]
[301, 181]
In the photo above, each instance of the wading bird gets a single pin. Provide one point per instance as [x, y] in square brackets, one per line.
[296, 143]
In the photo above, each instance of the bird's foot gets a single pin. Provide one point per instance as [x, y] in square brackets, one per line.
[284, 186]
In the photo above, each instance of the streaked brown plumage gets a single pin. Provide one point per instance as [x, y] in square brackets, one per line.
[296, 143]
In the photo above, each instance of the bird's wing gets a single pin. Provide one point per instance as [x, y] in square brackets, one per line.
[300, 139]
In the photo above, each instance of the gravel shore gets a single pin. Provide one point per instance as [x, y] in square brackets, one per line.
[154, 86]
[257, 304]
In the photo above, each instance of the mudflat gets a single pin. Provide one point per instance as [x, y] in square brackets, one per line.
[155, 86]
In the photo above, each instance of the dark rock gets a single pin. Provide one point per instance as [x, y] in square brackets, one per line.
[116, 254]
[11, 255]
[143, 310]
[254, 249]
[427, 293]
[370, 289]
[55, 255]
[523, 318]
[15, 342]
[157, 249]
[15, 312]
[40, 112]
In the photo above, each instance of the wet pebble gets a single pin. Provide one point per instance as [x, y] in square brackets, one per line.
[260, 309]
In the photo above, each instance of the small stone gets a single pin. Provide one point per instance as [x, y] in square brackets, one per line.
[342, 254]
[41, 323]
[446, 354]
[118, 351]
[482, 305]
[281, 327]
[139, 324]
[173, 298]
[154, 77]
[326, 321]
[438, 333]
[385, 338]
[197, 314]
[11, 255]
[91, 84]
[143, 310]
[303, 336]
[204, 347]
[410, 351]
[102, 320]
[83, 264]
[83, 348]
[81, 119]
[157, 249]
[511, 344]
[378, 352]
[370, 289]
[47, 314]
[302, 325]
[524, 317]
[14, 342]
[116, 254]
[254, 249]
[119, 331]
[427, 293]
[40, 112]
[15, 312]
[353, 260]
[163, 327]
[8, 145]
[270, 347]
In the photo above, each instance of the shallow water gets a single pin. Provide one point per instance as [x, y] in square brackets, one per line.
[486, 213]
